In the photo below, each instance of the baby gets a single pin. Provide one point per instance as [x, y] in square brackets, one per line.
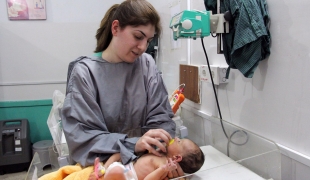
[149, 166]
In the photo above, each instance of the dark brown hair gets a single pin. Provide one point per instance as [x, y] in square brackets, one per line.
[192, 161]
[129, 12]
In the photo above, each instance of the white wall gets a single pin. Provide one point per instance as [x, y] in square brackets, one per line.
[34, 55]
[275, 102]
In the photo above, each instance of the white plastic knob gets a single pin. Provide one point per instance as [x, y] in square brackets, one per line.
[187, 24]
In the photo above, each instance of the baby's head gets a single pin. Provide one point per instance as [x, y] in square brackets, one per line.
[187, 153]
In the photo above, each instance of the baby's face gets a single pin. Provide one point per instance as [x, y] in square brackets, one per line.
[179, 146]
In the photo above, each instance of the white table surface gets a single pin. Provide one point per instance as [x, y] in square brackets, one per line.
[218, 166]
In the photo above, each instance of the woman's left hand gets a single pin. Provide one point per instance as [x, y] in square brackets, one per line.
[150, 139]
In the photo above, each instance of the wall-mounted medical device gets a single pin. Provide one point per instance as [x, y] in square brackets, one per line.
[197, 24]
[190, 24]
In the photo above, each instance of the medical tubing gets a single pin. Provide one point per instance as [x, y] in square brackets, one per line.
[217, 102]
[219, 110]
[230, 141]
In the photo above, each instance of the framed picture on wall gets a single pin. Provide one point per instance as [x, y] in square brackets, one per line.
[26, 9]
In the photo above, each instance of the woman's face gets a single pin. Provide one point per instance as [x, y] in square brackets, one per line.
[129, 43]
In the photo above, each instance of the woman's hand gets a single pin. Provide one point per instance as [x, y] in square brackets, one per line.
[150, 139]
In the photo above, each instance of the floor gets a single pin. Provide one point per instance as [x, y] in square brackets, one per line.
[22, 175]
[14, 176]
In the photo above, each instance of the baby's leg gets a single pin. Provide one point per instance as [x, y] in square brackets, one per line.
[96, 174]
[115, 173]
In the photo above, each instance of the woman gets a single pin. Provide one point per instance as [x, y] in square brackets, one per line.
[116, 102]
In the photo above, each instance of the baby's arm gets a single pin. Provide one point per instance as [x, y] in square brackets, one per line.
[161, 172]
[114, 158]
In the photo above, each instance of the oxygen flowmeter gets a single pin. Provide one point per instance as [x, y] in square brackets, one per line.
[197, 24]
[190, 24]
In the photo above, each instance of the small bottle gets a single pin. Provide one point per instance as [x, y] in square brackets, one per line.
[176, 100]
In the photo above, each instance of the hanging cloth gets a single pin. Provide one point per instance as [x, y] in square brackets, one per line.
[248, 41]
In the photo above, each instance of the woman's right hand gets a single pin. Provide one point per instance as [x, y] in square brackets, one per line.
[150, 139]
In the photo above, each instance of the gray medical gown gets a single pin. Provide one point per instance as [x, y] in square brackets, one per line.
[109, 105]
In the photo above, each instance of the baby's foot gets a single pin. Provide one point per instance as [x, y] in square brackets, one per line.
[99, 170]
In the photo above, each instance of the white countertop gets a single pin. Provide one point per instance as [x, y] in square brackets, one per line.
[218, 166]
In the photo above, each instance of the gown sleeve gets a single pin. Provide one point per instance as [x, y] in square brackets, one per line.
[84, 125]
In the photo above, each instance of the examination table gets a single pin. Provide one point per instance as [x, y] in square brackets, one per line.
[218, 166]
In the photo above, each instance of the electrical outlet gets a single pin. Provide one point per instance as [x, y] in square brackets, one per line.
[222, 74]
[205, 74]
[218, 74]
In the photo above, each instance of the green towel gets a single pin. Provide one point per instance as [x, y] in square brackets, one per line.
[248, 40]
